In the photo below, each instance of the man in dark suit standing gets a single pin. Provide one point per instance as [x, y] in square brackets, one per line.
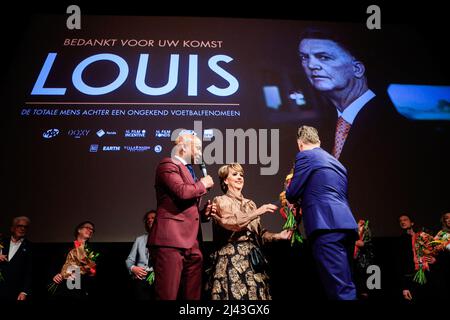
[320, 182]
[176, 234]
[15, 262]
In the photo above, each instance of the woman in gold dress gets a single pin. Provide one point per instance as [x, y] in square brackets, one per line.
[237, 231]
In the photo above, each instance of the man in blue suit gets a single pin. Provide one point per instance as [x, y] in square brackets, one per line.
[320, 182]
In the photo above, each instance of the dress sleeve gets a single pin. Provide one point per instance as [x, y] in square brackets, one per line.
[231, 218]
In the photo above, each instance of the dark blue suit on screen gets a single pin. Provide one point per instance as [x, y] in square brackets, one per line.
[320, 182]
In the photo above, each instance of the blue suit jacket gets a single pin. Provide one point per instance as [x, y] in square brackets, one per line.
[320, 181]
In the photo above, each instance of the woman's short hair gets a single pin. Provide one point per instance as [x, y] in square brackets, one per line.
[224, 171]
[81, 225]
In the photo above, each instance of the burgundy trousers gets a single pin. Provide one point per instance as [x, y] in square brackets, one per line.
[178, 272]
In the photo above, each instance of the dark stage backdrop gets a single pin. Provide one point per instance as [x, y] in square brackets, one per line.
[92, 111]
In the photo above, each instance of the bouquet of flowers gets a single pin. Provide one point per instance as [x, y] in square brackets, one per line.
[1, 275]
[363, 234]
[150, 275]
[81, 256]
[441, 241]
[91, 260]
[52, 288]
[290, 213]
[422, 247]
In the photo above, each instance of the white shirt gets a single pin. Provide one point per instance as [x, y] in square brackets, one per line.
[181, 160]
[13, 247]
[350, 113]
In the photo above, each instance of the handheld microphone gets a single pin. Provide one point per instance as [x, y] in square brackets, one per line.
[204, 172]
[203, 169]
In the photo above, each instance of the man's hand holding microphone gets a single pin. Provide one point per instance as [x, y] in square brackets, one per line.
[207, 179]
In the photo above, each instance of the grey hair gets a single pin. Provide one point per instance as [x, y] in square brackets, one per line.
[308, 134]
[17, 219]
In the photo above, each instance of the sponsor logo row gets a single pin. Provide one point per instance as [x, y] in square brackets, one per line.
[116, 148]
[128, 133]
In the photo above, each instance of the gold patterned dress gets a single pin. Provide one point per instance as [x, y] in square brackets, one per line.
[232, 276]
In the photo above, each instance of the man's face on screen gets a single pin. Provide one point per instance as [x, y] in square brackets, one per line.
[327, 66]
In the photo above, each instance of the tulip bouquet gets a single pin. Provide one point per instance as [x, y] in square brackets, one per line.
[441, 241]
[290, 213]
[81, 256]
[150, 275]
[363, 234]
[422, 248]
[1, 275]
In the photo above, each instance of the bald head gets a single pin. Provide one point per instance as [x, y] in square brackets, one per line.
[189, 147]
[185, 138]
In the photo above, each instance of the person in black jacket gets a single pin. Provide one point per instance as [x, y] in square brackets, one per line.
[405, 256]
[411, 290]
[15, 262]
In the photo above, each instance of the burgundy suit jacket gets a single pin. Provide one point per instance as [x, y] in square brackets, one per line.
[178, 196]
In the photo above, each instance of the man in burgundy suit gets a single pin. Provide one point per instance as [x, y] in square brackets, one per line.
[176, 233]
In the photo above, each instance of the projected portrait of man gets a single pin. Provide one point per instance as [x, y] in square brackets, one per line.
[358, 124]
[337, 74]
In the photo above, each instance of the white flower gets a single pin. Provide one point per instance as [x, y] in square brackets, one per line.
[148, 269]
